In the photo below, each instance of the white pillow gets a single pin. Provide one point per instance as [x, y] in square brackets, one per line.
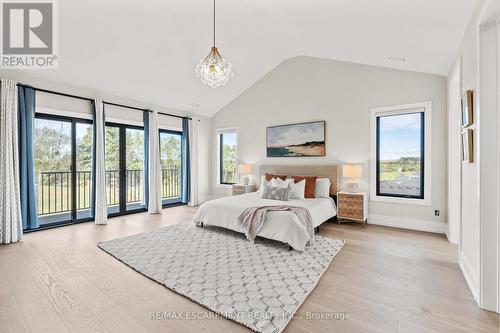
[273, 182]
[276, 182]
[298, 189]
[263, 183]
[322, 188]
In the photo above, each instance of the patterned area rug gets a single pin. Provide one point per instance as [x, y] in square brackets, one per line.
[259, 285]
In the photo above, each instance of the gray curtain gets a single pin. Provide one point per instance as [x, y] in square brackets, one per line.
[186, 166]
[145, 118]
[26, 116]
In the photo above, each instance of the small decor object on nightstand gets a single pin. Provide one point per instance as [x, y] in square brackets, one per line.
[242, 189]
[352, 206]
[244, 169]
[352, 172]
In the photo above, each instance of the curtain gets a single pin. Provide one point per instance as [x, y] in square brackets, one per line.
[11, 223]
[186, 166]
[154, 167]
[26, 117]
[145, 118]
[99, 165]
[193, 159]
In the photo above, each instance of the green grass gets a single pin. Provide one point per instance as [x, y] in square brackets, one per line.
[60, 197]
[390, 175]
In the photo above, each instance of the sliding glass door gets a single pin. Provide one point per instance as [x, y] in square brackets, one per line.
[62, 148]
[171, 161]
[124, 155]
[63, 162]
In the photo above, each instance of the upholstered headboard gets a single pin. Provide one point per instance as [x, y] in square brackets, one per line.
[322, 171]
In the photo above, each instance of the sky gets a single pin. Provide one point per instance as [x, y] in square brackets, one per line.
[295, 134]
[400, 136]
[230, 139]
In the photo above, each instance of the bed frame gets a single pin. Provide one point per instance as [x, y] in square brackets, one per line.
[322, 171]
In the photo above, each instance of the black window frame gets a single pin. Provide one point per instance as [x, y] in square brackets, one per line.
[122, 151]
[165, 203]
[74, 217]
[422, 158]
[221, 155]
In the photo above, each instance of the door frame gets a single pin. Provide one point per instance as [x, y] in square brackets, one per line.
[488, 92]
[122, 157]
[454, 232]
[170, 202]
[73, 121]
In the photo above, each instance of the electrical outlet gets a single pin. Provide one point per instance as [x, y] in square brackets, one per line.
[436, 212]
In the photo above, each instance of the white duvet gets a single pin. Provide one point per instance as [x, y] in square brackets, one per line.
[281, 226]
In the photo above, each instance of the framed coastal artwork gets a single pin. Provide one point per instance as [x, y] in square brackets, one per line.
[296, 140]
[467, 109]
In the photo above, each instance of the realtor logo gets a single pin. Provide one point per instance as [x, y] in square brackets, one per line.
[28, 34]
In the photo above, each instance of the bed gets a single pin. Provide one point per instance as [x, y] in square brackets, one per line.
[282, 226]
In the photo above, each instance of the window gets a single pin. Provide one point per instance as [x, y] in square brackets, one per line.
[171, 165]
[401, 160]
[124, 157]
[227, 156]
[63, 168]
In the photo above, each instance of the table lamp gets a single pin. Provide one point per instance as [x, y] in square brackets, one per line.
[244, 169]
[352, 172]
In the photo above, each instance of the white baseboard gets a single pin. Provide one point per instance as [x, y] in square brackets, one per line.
[408, 223]
[469, 275]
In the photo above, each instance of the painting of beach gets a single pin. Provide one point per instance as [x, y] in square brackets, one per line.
[296, 140]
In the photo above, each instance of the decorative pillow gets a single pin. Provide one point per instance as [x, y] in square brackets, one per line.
[272, 182]
[276, 192]
[310, 185]
[279, 182]
[263, 183]
[298, 190]
[270, 176]
[322, 189]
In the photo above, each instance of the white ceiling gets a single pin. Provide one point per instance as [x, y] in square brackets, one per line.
[147, 50]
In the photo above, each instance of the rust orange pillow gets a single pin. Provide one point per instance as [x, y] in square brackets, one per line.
[310, 185]
[270, 176]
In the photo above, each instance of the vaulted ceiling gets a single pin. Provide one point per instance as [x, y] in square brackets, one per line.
[147, 50]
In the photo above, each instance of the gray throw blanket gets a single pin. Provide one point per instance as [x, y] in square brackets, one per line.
[253, 218]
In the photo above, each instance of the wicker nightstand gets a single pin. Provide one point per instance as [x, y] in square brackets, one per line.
[242, 189]
[352, 207]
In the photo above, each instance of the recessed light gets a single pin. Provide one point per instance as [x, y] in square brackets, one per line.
[396, 59]
[195, 105]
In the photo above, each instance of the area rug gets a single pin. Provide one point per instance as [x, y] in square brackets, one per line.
[258, 285]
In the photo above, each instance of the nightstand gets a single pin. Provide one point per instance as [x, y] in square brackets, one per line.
[242, 189]
[352, 206]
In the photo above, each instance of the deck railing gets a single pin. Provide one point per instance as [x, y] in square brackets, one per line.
[53, 188]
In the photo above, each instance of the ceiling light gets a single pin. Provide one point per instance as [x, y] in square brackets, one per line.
[214, 70]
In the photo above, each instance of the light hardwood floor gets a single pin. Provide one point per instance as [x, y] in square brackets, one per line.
[388, 280]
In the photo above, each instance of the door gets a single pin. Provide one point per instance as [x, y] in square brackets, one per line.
[124, 155]
[62, 148]
[171, 162]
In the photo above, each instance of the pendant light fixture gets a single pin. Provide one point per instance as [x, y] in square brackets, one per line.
[214, 70]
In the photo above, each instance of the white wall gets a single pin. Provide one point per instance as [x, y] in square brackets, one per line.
[307, 89]
[75, 105]
[470, 208]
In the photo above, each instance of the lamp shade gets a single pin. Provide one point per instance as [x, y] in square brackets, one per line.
[352, 170]
[245, 168]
